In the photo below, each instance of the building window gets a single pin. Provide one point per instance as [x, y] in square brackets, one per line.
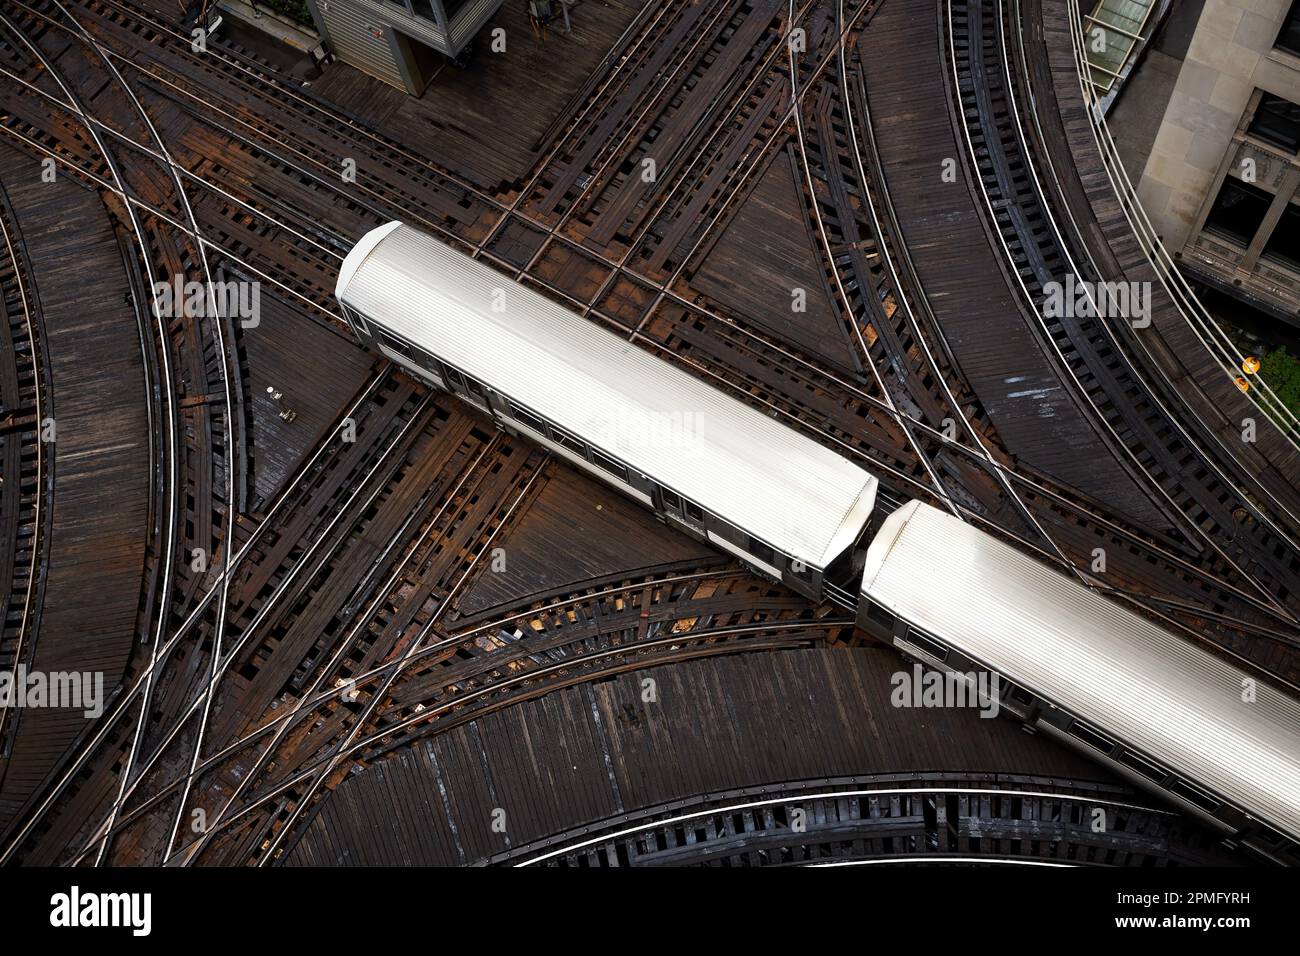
[1284, 243]
[1277, 121]
[1289, 36]
[1238, 211]
[426, 9]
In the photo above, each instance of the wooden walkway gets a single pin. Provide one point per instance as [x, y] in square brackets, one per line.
[1000, 354]
[317, 373]
[588, 753]
[101, 459]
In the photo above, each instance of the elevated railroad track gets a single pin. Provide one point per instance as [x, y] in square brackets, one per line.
[321, 633]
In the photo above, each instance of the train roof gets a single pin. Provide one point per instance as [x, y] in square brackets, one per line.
[772, 482]
[1101, 662]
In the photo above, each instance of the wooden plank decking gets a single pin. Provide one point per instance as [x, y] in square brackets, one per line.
[1000, 354]
[591, 752]
[101, 459]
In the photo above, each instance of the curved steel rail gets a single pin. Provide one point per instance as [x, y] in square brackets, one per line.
[714, 823]
[1218, 344]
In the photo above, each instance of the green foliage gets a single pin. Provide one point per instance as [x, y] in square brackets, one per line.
[293, 9]
[1282, 373]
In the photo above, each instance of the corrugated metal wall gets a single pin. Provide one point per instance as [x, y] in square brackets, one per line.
[470, 20]
[350, 28]
[359, 33]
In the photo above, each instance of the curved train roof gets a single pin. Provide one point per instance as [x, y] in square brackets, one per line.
[1151, 689]
[733, 460]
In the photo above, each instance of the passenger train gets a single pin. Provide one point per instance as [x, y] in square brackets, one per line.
[1071, 663]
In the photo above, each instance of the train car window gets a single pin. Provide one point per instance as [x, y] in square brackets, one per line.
[528, 418]
[726, 529]
[931, 647]
[1092, 738]
[1020, 695]
[1193, 795]
[475, 387]
[1266, 835]
[694, 511]
[568, 441]
[397, 345]
[609, 464]
[1143, 766]
[456, 379]
[358, 323]
[761, 551]
[885, 618]
[672, 501]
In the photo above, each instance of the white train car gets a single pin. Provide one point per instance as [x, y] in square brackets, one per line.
[1149, 704]
[707, 463]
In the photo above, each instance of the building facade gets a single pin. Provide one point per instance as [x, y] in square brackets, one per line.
[1220, 184]
[402, 42]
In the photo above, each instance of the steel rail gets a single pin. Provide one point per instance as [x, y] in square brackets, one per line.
[1029, 303]
[171, 486]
